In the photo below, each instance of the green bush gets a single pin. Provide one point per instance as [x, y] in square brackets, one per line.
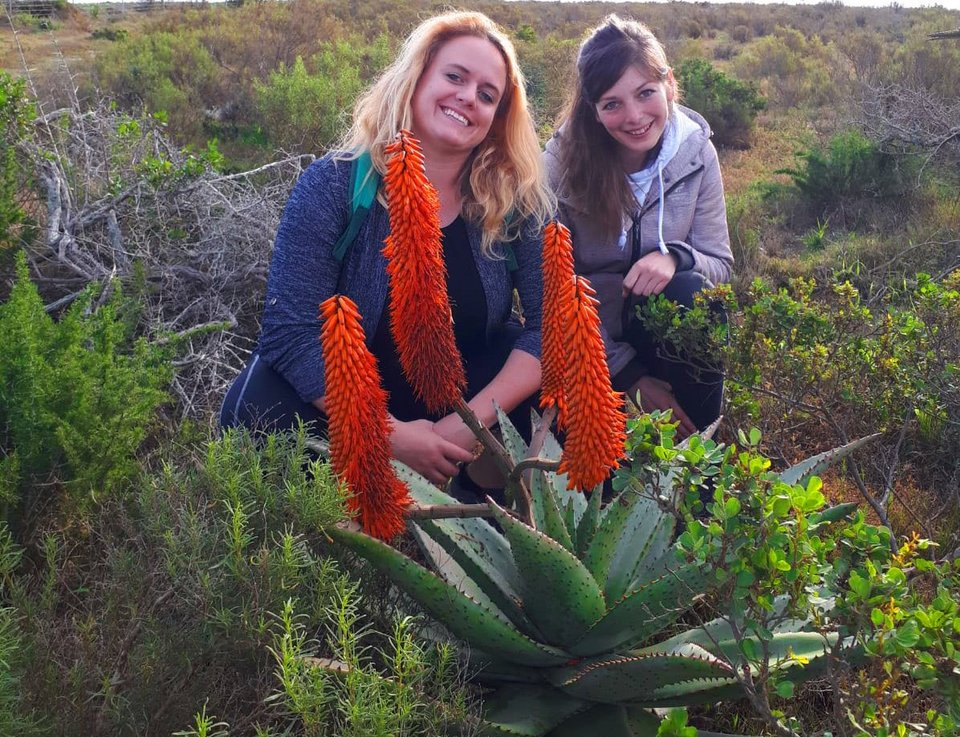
[163, 72]
[850, 173]
[77, 398]
[304, 110]
[730, 106]
[16, 112]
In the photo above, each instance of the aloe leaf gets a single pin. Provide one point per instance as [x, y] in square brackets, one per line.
[527, 710]
[644, 612]
[815, 464]
[546, 512]
[834, 513]
[485, 669]
[644, 538]
[608, 720]
[615, 680]
[473, 535]
[785, 650]
[553, 450]
[559, 594]
[487, 629]
[587, 526]
[694, 692]
[608, 536]
[469, 572]
[512, 441]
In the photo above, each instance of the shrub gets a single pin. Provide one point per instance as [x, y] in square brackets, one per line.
[850, 172]
[163, 72]
[76, 397]
[306, 110]
[730, 106]
[15, 113]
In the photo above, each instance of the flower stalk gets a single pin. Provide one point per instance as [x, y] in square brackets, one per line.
[358, 425]
[420, 318]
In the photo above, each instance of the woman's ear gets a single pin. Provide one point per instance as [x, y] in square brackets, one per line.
[671, 86]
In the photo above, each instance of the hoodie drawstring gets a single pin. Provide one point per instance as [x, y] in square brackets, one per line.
[663, 246]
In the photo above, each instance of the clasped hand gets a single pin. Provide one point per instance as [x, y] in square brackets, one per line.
[419, 445]
[650, 275]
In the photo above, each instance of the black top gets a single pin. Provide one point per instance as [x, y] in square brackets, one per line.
[469, 307]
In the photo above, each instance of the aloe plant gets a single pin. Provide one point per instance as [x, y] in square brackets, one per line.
[568, 618]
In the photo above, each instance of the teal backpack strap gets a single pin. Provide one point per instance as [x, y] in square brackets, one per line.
[364, 181]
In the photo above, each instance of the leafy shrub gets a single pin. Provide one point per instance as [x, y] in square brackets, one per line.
[77, 397]
[210, 584]
[793, 69]
[308, 110]
[16, 111]
[849, 173]
[163, 72]
[730, 106]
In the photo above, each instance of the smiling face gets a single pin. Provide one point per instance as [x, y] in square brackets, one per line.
[457, 97]
[634, 111]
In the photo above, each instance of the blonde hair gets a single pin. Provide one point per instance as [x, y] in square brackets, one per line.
[503, 176]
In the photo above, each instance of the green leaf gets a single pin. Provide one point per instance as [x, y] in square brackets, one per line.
[799, 473]
[547, 513]
[527, 711]
[644, 540]
[646, 611]
[515, 445]
[603, 719]
[610, 534]
[486, 629]
[559, 595]
[834, 513]
[588, 523]
[785, 689]
[631, 678]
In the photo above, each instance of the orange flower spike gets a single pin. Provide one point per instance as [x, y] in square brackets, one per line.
[596, 421]
[358, 426]
[558, 294]
[420, 317]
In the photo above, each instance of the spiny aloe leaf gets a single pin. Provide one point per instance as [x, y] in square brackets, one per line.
[815, 464]
[784, 650]
[466, 570]
[644, 612]
[546, 512]
[474, 537]
[488, 670]
[609, 535]
[559, 594]
[515, 445]
[645, 536]
[588, 524]
[487, 629]
[527, 710]
[833, 514]
[691, 693]
[608, 720]
[629, 678]
[553, 451]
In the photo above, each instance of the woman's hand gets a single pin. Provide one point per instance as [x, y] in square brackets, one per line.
[649, 275]
[656, 394]
[417, 445]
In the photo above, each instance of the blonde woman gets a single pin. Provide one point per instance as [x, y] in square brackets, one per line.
[456, 84]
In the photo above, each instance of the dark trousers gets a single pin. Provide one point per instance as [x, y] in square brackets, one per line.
[261, 400]
[697, 386]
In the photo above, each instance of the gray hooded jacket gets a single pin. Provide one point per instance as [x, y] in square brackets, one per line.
[691, 217]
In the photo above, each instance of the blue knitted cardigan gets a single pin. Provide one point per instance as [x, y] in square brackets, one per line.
[304, 272]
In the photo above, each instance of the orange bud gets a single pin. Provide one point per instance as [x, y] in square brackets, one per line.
[358, 426]
[596, 422]
[420, 317]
